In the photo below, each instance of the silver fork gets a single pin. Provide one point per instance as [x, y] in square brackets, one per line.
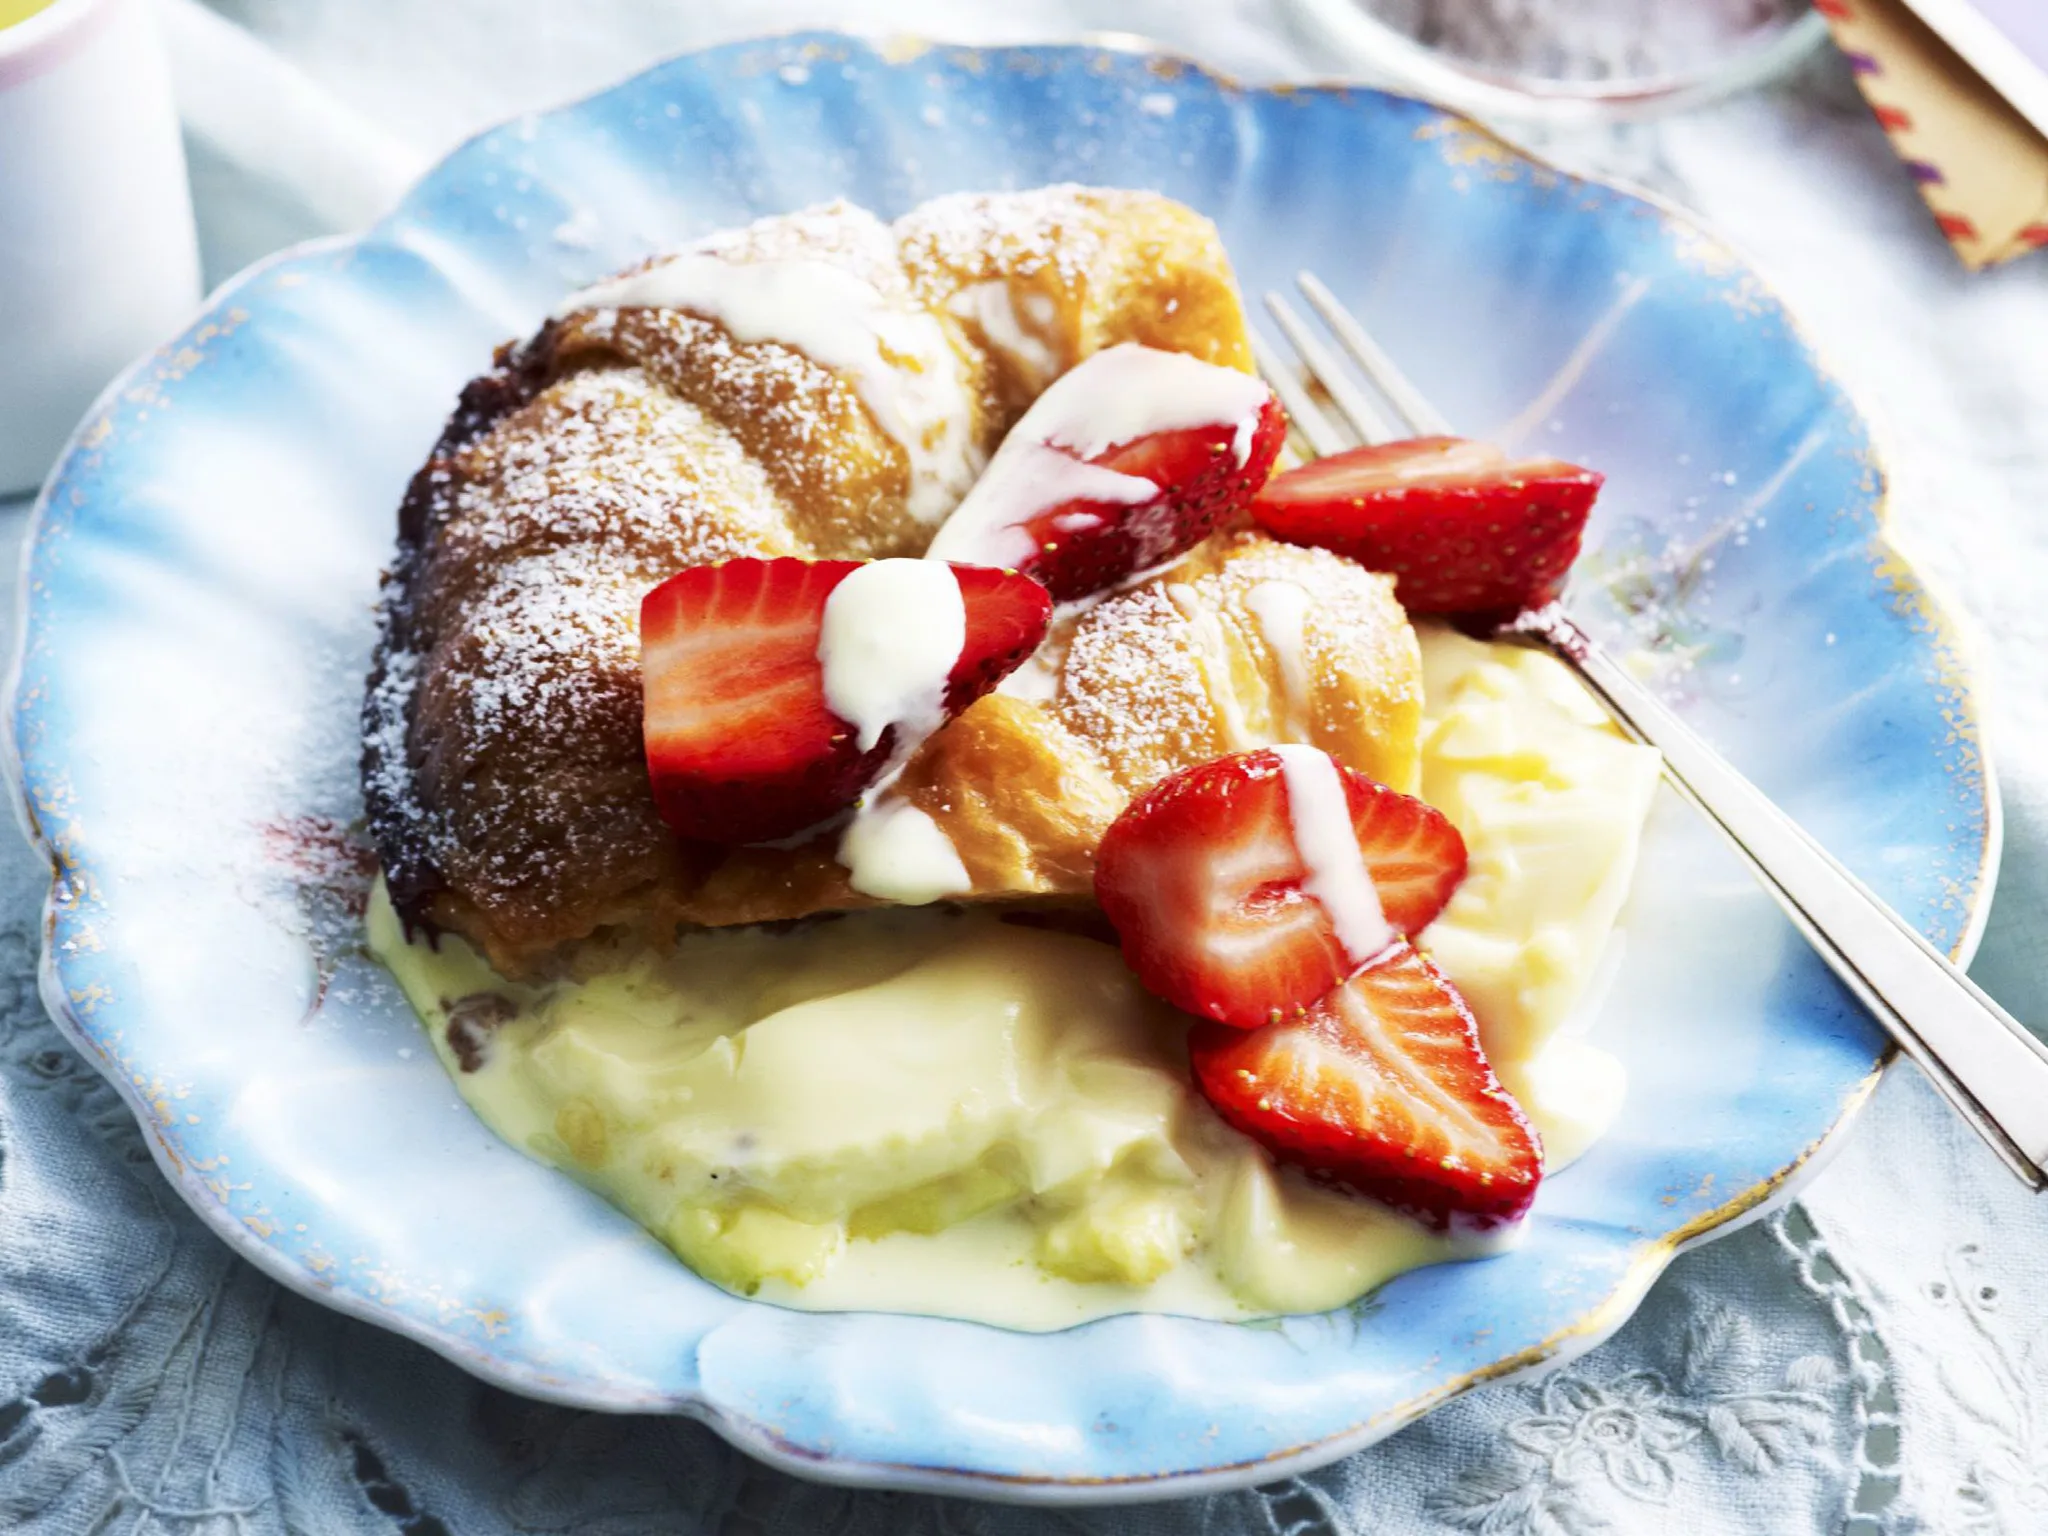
[1984, 1062]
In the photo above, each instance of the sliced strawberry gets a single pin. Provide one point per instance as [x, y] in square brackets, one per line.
[1062, 503]
[1202, 485]
[741, 746]
[1462, 529]
[1220, 911]
[1382, 1088]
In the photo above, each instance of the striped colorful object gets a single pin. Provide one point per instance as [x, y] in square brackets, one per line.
[1980, 165]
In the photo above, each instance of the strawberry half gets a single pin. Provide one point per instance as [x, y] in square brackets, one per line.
[741, 746]
[1084, 492]
[1381, 1088]
[1462, 529]
[1221, 911]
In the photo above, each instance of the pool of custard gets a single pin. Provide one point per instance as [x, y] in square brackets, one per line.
[942, 1111]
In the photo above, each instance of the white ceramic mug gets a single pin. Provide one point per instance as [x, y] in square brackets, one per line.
[98, 262]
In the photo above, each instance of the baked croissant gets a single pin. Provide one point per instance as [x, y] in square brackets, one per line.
[825, 385]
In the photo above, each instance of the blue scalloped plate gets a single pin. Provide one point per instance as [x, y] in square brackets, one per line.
[199, 615]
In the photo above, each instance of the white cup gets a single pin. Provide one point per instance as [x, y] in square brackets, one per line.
[98, 261]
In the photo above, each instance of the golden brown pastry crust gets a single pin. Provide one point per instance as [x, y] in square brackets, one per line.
[503, 764]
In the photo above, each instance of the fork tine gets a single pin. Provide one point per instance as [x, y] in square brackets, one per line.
[1422, 417]
[1304, 414]
[1366, 419]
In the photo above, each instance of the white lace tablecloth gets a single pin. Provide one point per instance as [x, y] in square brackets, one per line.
[1873, 1360]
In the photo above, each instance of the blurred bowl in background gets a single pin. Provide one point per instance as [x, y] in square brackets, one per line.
[1566, 60]
[98, 259]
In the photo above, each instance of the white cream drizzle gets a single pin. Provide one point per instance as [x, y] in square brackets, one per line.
[1323, 835]
[1281, 610]
[1117, 396]
[1016, 487]
[892, 633]
[1037, 681]
[895, 851]
[896, 355]
[1212, 659]
[992, 308]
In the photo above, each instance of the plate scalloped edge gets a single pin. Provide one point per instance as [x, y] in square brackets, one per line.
[45, 824]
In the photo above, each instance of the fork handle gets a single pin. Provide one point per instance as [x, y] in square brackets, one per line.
[1983, 1060]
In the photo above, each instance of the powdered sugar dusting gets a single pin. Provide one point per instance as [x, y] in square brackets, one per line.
[562, 523]
[1048, 231]
[387, 773]
[898, 357]
[1131, 685]
[517, 664]
[503, 763]
[546, 626]
[1181, 669]
[839, 476]
[607, 463]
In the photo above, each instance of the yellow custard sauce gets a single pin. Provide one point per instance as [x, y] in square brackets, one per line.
[935, 1111]
[12, 11]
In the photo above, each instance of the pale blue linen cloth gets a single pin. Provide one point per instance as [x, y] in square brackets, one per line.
[1875, 1360]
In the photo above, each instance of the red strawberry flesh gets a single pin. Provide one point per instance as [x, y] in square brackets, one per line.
[1462, 529]
[1205, 882]
[1381, 1088]
[1082, 515]
[741, 746]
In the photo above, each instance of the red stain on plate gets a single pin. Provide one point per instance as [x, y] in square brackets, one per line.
[326, 868]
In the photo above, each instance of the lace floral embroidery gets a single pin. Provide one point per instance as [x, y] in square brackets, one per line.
[1593, 1444]
[1999, 1387]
